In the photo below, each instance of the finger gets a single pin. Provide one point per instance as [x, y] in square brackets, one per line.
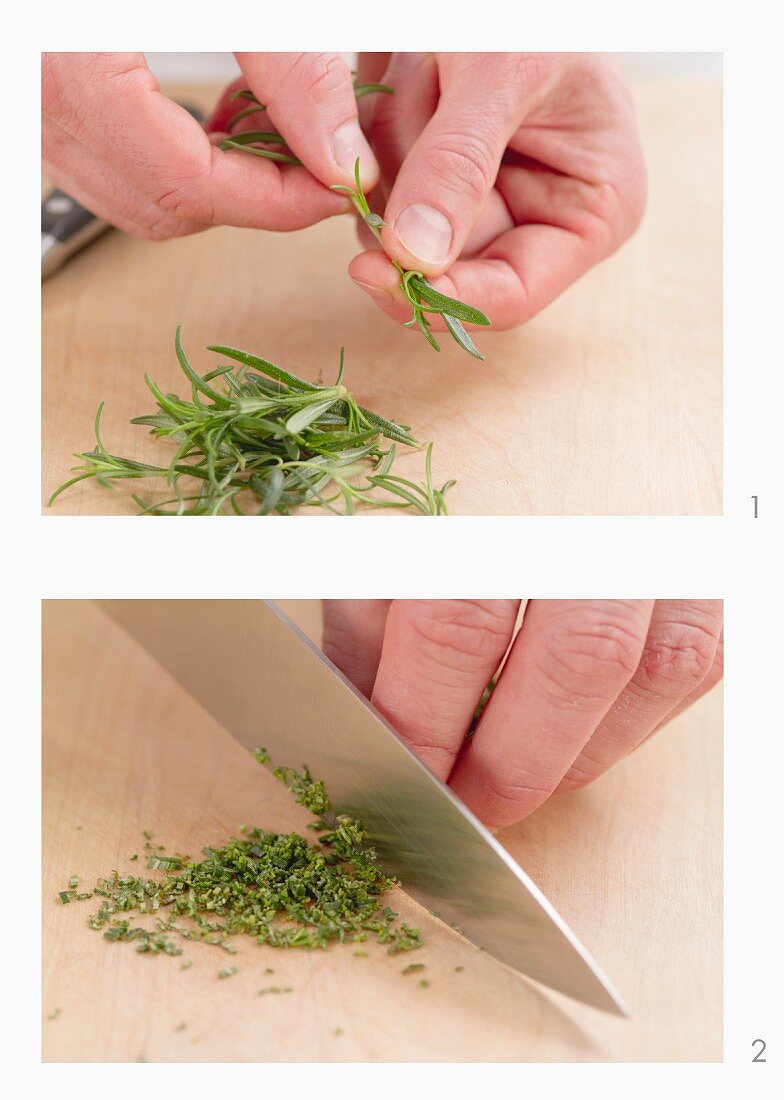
[713, 678]
[567, 666]
[310, 99]
[397, 121]
[400, 118]
[445, 179]
[679, 653]
[370, 70]
[161, 152]
[437, 659]
[226, 107]
[353, 637]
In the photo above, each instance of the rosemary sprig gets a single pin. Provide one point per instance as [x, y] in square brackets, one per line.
[255, 141]
[421, 294]
[258, 435]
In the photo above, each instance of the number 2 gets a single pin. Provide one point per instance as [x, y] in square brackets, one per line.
[763, 1047]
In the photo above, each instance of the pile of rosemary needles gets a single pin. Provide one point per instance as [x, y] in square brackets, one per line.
[254, 439]
[277, 888]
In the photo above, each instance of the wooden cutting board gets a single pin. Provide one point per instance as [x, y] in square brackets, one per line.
[608, 403]
[634, 863]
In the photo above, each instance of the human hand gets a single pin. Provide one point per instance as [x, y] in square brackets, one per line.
[584, 683]
[134, 157]
[507, 175]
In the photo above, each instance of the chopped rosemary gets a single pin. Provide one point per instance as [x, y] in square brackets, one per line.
[279, 889]
[275, 989]
[412, 968]
[53, 1015]
[425, 983]
[264, 436]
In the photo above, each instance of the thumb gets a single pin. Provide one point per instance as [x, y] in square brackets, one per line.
[446, 178]
[310, 99]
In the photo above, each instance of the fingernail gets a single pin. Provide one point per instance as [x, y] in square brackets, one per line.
[425, 232]
[348, 143]
[381, 297]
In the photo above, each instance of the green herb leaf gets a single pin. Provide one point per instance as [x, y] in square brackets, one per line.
[260, 434]
[451, 306]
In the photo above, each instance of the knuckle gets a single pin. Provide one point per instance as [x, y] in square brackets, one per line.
[323, 75]
[159, 226]
[187, 198]
[532, 69]
[677, 656]
[578, 777]
[718, 661]
[463, 164]
[340, 643]
[592, 654]
[462, 633]
[508, 792]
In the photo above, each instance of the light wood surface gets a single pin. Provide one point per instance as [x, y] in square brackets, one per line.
[608, 403]
[633, 863]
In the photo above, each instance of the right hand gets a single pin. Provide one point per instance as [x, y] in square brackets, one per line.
[120, 147]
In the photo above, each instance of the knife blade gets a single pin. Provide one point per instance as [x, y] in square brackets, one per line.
[254, 671]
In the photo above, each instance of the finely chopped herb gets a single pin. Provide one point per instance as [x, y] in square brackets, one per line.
[278, 888]
[275, 989]
[413, 967]
[256, 439]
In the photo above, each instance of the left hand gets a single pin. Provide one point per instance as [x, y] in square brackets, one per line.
[505, 176]
[584, 683]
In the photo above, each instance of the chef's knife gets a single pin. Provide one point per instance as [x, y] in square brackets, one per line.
[67, 226]
[267, 684]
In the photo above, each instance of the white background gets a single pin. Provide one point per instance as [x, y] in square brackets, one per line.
[736, 556]
[216, 68]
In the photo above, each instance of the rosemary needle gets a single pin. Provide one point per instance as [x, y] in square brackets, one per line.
[422, 296]
[255, 436]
